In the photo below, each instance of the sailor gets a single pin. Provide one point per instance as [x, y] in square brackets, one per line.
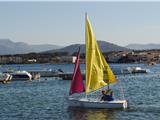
[107, 95]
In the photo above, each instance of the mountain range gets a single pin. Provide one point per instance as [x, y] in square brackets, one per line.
[105, 47]
[9, 47]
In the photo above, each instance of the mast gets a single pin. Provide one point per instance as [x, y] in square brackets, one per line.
[86, 51]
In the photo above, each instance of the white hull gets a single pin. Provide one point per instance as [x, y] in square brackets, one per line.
[5, 77]
[21, 75]
[85, 103]
[131, 70]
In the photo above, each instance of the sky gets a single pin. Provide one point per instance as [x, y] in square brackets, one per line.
[63, 23]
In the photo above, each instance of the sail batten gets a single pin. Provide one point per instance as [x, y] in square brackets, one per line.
[98, 72]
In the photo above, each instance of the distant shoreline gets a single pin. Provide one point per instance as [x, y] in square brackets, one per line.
[131, 57]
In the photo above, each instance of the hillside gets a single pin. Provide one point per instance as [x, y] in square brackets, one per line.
[9, 47]
[105, 47]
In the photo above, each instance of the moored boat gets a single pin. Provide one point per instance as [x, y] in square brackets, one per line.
[46, 72]
[130, 70]
[5, 77]
[21, 75]
[35, 75]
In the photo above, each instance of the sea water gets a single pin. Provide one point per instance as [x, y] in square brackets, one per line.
[45, 99]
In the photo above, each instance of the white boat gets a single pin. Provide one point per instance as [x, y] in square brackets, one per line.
[21, 75]
[5, 77]
[130, 70]
[139, 70]
[98, 76]
[35, 75]
[46, 72]
[96, 103]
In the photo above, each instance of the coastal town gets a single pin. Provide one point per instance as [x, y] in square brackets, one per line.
[143, 56]
[131, 56]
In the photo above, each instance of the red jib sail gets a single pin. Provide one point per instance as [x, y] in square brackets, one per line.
[77, 85]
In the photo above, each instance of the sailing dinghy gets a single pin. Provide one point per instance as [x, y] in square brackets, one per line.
[98, 75]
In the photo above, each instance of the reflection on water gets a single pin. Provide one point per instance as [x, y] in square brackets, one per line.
[90, 114]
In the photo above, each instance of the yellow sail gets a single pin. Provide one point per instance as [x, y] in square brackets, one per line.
[98, 72]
